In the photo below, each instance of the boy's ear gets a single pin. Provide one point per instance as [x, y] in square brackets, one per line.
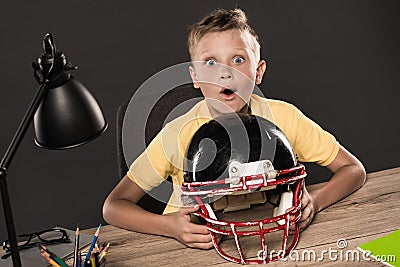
[261, 68]
[193, 75]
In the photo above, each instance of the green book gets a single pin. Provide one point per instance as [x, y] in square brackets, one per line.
[385, 249]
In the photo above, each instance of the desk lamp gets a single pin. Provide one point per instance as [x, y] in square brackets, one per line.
[65, 115]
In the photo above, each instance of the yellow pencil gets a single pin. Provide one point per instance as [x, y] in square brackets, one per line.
[49, 260]
[53, 256]
[92, 261]
[104, 252]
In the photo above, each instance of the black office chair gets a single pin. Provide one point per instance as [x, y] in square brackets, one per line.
[157, 117]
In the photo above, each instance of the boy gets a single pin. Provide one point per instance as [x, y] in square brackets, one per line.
[225, 53]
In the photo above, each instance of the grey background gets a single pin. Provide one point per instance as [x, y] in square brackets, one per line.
[338, 61]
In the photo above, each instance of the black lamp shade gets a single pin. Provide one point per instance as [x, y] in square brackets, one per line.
[68, 116]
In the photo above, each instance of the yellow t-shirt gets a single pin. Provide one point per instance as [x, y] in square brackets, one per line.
[165, 154]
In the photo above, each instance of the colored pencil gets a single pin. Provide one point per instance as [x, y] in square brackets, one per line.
[104, 252]
[103, 247]
[49, 260]
[96, 235]
[92, 261]
[54, 256]
[96, 258]
[79, 264]
[76, 247]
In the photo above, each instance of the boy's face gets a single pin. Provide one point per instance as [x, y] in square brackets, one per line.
[225, 68]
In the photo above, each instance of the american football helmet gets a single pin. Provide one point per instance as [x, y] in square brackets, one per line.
[240, 161]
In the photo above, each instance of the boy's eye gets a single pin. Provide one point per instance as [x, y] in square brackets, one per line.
[238, 60]
[211, 62]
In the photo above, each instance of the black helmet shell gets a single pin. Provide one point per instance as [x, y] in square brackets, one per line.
[235, 137]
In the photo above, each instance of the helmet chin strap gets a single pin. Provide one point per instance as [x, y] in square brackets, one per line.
[285, 203]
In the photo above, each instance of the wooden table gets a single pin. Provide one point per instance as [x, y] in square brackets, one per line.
[369, 213]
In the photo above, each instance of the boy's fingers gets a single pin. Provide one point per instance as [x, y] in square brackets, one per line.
[189, 209]
[207, 245]
[304, 224]
[305, 214]
[197, 238]
[304, 202]
[198, 229]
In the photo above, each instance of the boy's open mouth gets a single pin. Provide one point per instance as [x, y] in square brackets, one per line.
[227, 91]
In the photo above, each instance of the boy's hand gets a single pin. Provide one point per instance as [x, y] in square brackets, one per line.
[188, 233]
[308, 211]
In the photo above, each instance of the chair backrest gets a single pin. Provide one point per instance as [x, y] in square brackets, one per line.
[163, 111]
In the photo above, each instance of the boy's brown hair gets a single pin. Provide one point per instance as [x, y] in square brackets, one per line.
[222, 20]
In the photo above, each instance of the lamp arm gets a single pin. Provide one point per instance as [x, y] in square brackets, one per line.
[5, 163]
[23, 127]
